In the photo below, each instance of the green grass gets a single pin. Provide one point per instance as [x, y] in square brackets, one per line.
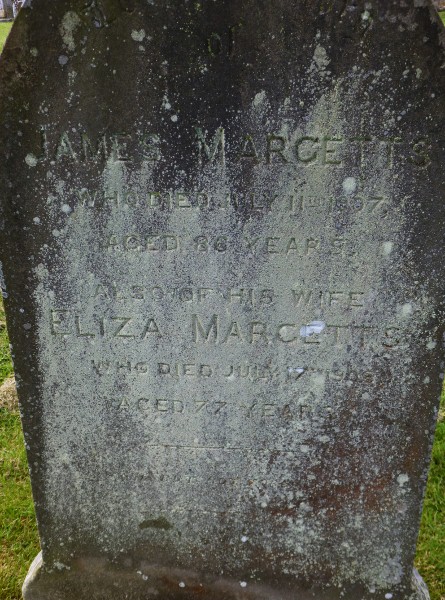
[6, 369]
[442, 16]
[4, 30]
[18, 534]
[431, 546]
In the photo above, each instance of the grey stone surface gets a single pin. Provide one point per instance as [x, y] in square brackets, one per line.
[223, 228]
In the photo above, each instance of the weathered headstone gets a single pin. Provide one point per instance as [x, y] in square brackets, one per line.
[223, 228]
[7, 7]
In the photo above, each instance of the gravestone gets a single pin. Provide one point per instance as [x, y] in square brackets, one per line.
[7, 8]
[223, 228]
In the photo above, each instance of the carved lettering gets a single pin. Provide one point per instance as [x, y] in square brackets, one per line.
[214, 151]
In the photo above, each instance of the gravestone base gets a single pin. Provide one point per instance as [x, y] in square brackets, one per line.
[96, 579]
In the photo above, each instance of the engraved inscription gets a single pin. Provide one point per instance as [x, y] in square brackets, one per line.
[231, 373]
[67, 323]
[255, 409]
[310, 149]
[187, 201]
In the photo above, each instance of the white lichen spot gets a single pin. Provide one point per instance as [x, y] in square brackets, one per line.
[431, 345]
[72, 77]
[70, 23]
[66, 209]
[407, 310]
[315, 327]
[321, 58]
[402, 479]
[324, 439]
[298, 371]
[34, 52]
[36, 221]
[138, 36]
[387, 248]
[349, 185]
[388, 596]
[174, 118]
[166, 103]
[243, 584]
[427, 380]
[31, 160]
[365, 15]
[318, 381]
[259, 98]
[244, 539]
[181, 584]
[418, 73]
[63, 59]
